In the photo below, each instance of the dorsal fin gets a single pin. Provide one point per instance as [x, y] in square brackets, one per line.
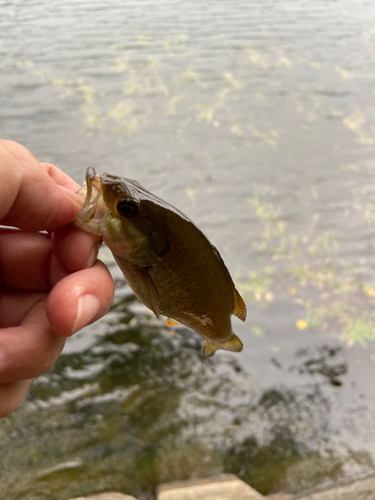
[239, 306]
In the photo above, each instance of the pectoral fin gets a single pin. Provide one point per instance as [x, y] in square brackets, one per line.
[239, 306]
[234, 345]
[149, 291]
[173, 322]
[140, 281]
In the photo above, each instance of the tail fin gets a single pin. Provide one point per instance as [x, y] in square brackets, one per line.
[234, 345]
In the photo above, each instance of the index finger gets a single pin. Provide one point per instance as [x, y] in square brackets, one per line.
[31, 199]
[60, 177]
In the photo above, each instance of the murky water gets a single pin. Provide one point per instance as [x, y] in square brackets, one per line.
[257, 119]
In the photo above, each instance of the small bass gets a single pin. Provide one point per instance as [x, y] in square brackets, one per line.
[166, 260]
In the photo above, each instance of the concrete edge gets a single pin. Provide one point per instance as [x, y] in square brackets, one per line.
[195, 482]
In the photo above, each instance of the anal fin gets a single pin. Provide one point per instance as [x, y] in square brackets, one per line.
[234, 345]
[173, 322]
[239, 306]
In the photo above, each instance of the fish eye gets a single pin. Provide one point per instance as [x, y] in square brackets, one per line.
[127, 208]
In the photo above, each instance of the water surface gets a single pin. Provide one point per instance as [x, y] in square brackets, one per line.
[257, 120]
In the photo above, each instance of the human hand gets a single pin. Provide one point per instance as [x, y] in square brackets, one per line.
[51, 284]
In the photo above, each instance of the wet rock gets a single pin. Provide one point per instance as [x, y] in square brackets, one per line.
[227, 487]
[106, 496]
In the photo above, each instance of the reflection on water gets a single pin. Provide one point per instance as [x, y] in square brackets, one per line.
[257, 120]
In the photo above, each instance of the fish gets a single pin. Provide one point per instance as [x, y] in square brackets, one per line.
[166, 260]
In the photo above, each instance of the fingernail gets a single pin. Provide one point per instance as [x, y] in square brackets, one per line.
[93, 256]
[87, 311]
[76, 199]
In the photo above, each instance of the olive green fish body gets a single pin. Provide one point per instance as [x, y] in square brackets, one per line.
[167, 261]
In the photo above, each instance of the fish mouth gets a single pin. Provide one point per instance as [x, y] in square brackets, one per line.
[93, 209]
[90, 191]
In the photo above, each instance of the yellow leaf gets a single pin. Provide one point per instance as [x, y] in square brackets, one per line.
[370, 292]
[268, 297]
[292, 290]
[301, 324]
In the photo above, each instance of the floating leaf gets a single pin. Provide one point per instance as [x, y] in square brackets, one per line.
[191, 193]
[257, 330]
[301, 324]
